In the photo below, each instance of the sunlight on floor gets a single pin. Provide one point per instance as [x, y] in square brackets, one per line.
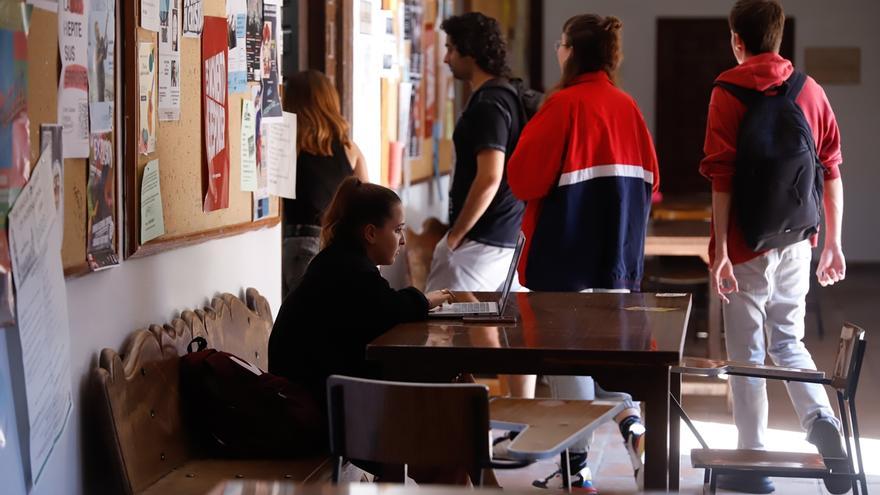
[723, 436]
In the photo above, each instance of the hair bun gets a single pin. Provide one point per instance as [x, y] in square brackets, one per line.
[612, 23]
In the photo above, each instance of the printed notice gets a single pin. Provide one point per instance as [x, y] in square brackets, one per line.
[41, 305]
[150, 14]
[148, 113]
[282, 156]
[236, 25]
[248, 146]
[193, 18]
[102, 44]
[73, 85]
[169, 60]
[152, 219]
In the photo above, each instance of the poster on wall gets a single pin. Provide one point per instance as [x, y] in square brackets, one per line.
[429, 44]
[261, 193]
[254, 40]
[102, 45]
[216, 112]
[248, 146]
[41, 307]
[236, 26]
[14, 149]
[147, 89]
[169, 61]
[150, 14]
[73, 85]
[193, 18]
[272, 113]
[100, 230]
[51, 136]
[152, 217]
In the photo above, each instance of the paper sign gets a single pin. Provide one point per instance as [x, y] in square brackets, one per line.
[261, 194]
[254, 40]
[148, 111]
[73, 85]
[193, 18]
[41, 305]
[150, 14]
[152, 217]
[236, 25]
[102, 45]
[269, 52]
[248, 146]
[216, 112]
[51, 142]
[282, 156]
[169, 61]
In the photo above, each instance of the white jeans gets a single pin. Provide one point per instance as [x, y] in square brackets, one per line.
[765, 317]
[473, 266]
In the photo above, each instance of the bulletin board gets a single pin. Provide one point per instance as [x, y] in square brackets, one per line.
[43, 73]
[180, 151]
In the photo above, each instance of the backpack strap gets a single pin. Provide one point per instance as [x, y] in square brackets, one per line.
[745, 95]
[794, 84]
[200, 342]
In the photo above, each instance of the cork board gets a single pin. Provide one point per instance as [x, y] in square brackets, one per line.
[180, 151]
[43, 73]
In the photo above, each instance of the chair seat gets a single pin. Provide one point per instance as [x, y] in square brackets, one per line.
[759, 461]
[547, 427]
[200, 475]
[715, 367]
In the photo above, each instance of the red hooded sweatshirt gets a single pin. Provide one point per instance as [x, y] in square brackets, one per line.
[760, 72]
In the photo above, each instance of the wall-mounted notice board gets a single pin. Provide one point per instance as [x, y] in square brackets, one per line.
[180, 151]
[43, 73]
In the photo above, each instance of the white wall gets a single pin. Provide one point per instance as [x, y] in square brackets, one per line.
[104, 308]
[817, 23]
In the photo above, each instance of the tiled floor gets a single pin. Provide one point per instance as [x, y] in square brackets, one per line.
[854, 300]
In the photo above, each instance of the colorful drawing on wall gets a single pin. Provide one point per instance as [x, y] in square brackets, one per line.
[101, 228]
[148, 97]
[216, 112]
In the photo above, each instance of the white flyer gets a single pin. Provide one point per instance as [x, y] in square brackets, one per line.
[73, 85]
[102, 46]
[236, 20]
[282, 156]
[41, 304]
[193, 18]
[169, 60]
[152, 217]
[150, 14]
[248, 146]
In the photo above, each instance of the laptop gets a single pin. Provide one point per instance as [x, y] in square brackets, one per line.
[484, 309]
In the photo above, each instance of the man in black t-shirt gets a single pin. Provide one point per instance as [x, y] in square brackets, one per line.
[484, 215]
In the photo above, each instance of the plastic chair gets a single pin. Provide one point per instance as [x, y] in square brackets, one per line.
[844, 381]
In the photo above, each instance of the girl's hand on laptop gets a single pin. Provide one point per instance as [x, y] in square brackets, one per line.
[438, 297]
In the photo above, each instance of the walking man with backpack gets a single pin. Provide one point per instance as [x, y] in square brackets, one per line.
[772, 152]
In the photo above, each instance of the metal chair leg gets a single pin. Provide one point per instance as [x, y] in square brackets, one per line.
[855, 424]
[713, 481]
[844, 419]
[566, 470]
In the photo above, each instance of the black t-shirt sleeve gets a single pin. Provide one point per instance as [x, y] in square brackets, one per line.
[489, 125]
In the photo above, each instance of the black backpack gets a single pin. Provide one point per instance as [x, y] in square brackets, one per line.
[778, 183]
[529, 99]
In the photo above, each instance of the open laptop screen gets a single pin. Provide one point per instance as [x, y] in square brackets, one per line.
[511, 272]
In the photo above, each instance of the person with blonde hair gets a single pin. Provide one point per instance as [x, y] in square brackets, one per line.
[325, 157]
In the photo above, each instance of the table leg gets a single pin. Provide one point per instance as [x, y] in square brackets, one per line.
[657, 425]
[674, 434]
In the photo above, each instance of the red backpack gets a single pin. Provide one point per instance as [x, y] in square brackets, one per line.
[237, 410]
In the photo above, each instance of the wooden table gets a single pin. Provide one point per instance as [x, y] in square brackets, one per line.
[626, 341]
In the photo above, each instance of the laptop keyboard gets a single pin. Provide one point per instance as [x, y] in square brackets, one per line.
[479, 307]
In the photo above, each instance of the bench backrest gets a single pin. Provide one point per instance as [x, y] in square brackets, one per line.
[140, 408]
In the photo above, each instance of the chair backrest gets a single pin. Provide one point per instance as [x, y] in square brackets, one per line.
[422, 424]
[848, 364]
[420, 250]
[138, 399]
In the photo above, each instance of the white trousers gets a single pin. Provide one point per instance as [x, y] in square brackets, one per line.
[765, 317]
[473, 266]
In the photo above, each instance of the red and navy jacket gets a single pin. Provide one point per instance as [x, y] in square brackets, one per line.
[586, 167]
[761, 72]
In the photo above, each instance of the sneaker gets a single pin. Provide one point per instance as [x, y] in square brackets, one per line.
[501, 444]
[827, 439]
[581, 477]
[633, 432]
[745, 483]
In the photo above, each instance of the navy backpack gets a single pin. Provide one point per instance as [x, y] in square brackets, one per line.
[778, 183]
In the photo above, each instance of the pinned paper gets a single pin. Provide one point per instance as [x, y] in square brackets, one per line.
[147, 87]
[193, 18]
[152, 218]
[150, 14]
[248, 146]
[169, 61]
[73, 85]
[282, 156]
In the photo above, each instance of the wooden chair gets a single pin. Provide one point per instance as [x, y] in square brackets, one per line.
[844, 381]
[420, 250]
[429, 424]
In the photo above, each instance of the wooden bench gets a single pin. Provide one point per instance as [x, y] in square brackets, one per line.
[140, 406]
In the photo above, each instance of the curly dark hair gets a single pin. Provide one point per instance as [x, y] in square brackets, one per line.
[479, 36]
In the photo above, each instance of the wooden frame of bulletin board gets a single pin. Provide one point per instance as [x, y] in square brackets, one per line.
[43, 73]
[180, 151]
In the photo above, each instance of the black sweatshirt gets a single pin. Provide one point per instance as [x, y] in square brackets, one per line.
[324, 326]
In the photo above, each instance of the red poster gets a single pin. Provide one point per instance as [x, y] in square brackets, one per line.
[215, 108]
[429, 41]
